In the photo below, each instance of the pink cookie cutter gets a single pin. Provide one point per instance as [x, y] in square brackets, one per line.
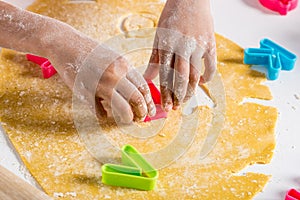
[281, 6]
[160, 113]
[292, 194]
[47, 69]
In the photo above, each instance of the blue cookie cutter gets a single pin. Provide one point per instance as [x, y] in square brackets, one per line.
[271, 55]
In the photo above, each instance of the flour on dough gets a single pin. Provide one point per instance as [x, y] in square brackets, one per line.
[36, 115]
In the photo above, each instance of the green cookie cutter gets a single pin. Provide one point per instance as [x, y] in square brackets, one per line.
[136, 172]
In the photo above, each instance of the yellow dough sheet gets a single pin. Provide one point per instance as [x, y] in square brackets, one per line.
[36, 114]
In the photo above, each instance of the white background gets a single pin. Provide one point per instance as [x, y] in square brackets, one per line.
[246, 22]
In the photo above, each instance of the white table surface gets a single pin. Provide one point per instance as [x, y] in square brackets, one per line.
[246, 22]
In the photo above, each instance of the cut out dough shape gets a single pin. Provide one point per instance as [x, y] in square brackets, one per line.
[36, 115]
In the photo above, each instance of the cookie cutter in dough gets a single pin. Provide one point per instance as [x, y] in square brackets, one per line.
[292, 194]
[280, 6]
[47, 69]
[135, 172]
[160, 113]
[271, 55]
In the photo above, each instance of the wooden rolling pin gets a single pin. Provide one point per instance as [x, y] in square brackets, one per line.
[13, 187]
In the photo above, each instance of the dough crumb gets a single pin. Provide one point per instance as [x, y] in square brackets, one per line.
[162, 135]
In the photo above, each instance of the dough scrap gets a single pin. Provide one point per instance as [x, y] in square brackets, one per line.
[36, 115]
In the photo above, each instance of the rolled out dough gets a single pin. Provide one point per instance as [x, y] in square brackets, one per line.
[36, 115]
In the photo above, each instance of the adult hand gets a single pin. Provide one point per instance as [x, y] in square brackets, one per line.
[184, 36]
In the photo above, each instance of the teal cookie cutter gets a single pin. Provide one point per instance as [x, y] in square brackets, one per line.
[271, 55]
[135, 172]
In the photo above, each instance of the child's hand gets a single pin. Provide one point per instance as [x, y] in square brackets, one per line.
[185, 35]
[118, 87]
[123, 91]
